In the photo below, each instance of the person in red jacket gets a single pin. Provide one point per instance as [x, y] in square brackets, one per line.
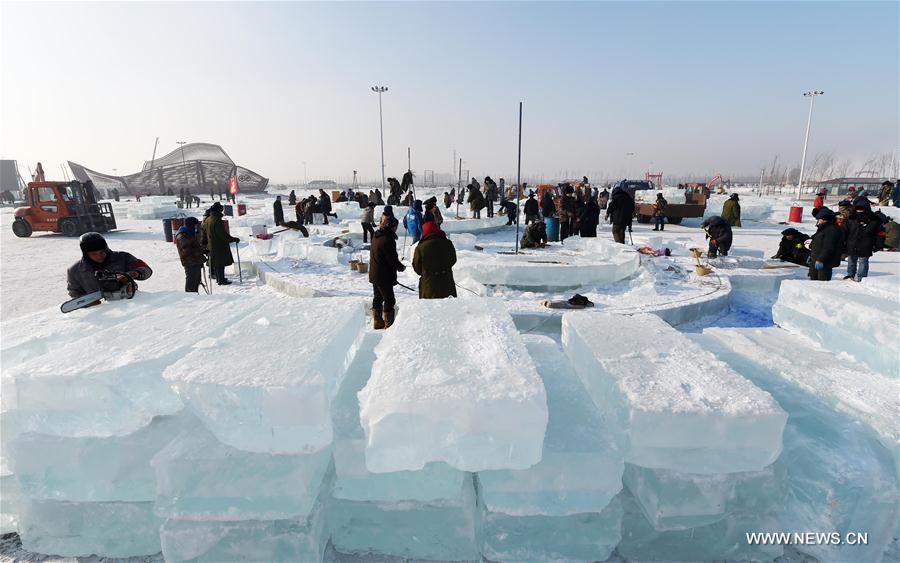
[818, 202]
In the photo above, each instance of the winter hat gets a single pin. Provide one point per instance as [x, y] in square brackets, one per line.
[790, 231]
[216, 207]
[430, 227]
[417, 205]
[388, 210]
[845, 203]
[659, 195]
[825, 214]
[734, 196]
[92, 242]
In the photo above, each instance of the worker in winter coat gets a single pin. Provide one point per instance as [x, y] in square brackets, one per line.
[659, 213]
[511, 210]
[448, 201]
[535, 235]
[218, 243]
[886, 193]
[433, 260]
[367, 218]
[548, 206]
[475, 200]
[792, 248]
[433, 212]
[413, 220]
[731, 211]
[567, 204]
[620, 212]
[324, 205]
[590, 218]
[825, 246]
[862, 230]
[603, 198]
[81, 277]
[278, 211]
[818, 202]
[718, 231]
[490, 195]
[190, 252]
[892, 236]
[383, 267]
[292, 198]
[532, 211]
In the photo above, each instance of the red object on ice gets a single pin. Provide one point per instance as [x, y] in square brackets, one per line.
[241, 209]
[796, 215]
[264, 236]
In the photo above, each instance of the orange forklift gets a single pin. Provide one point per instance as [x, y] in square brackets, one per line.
[70, 208]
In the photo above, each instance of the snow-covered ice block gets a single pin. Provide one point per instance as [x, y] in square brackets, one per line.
[725, 539]
[752, 209]
[453, 382]
[116, 387]
[844, 317]
[581, 467]
[444, 530]
[79, 529]
[284, 405]
[263, 247]
[297, 249]
[93, 469]
[291, 540]
[671, 500]
[841, 477]
[463, 241]
[675, 405]
[199, 478]
[578, 537]
[353, 481]
[323, 254]
[9, 499]
[452, 225]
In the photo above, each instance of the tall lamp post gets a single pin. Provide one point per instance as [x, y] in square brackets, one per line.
[812, 98]
[380, 90]
[183, 163]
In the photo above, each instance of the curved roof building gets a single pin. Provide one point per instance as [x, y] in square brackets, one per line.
[203, 168]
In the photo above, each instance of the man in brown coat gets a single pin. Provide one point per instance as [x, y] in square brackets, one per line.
[434, 260]
[383, 267]
[191, 254]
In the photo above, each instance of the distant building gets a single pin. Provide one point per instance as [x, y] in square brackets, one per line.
[203, 168]
[841, 186]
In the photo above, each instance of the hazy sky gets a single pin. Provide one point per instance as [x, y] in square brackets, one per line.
[691, 87]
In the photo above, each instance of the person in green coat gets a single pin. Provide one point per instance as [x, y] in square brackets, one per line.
[434, 260]
[218, 243]
[731, 211]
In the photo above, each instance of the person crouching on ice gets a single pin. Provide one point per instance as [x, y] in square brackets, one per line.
[434, 260]
[191, 253]
[96, 256]
[718, 231]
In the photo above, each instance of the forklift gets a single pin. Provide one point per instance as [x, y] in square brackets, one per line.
[70, 208]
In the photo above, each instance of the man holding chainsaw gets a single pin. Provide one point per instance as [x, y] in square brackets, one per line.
[100, 267]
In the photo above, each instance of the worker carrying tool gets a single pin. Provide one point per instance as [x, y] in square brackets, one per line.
[102, 274]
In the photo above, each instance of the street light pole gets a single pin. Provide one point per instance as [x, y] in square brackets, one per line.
[183, 163]
[380, 90]
[812, 98]
[305, 181]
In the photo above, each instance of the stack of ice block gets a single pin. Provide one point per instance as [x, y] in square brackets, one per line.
[562, 507]
[86, 427]
[698, 438]
[253, 482]
[154, 207]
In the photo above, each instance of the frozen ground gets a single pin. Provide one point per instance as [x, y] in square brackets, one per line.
[32, 285]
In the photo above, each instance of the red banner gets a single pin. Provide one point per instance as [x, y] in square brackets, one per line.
[232, 185]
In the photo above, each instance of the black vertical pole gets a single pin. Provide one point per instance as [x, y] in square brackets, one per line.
[459, 188]
[519, 178]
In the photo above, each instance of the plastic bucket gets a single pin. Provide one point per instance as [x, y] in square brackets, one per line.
[362, 267]
[551, 224]
[167, 230]
[796, 214]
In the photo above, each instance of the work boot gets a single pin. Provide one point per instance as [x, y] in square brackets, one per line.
[377, 320]
[224, 281]
[388, 318]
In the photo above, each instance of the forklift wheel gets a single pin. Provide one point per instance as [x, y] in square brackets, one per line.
[21, 228]
[68, 228]
[674, 220]
[643, 219]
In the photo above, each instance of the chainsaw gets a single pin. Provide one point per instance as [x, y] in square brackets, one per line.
[111, 289]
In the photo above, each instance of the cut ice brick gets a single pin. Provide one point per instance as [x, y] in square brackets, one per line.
[353, 481]
[79, 529]
[844, 317]
[463, 241]
[453, 382]
[283, 406]
[113, 468]
[577, 537]
[671, 500]
[841, 477]
[446, 530]
[451, 225]
[675, 405]
[116, 387]
[9, 499]
[725, 539]
[323, 254]
[847, 386]
[581, 467]
[296, 249]
[199, 478]
[292, 540]
[604, 263]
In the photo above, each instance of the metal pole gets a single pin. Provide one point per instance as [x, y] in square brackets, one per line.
[812, 98]
[519, 178]
[153, 158]
[237, 249]
[459, 188]
[380, 90]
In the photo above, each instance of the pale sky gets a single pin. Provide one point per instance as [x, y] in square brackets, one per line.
[698, 87]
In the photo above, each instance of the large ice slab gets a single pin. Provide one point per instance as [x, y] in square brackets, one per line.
[282, 405]
[78, 529]
[844, 317]
[114, 468]
[676, 406]
[672, 500]
[841, 477]
[443, 530]
[577, 537]
[453, 382]
[115, 387]
[9, 498]
[581, 467]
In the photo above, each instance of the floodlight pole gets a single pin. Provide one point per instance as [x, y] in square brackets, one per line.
[812, 98]
[380, 90]
[519, 178]
[153, 158]
[459, 188]
[183, 163]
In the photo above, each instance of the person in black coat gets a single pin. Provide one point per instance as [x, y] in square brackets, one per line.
[825, 246]
[325, 205]
[531, 209]
[620, 212]
[548, 207]
[862, 230]
[278, 211]
[718, 231]
[792, 248]
[383, 267]
[590, 218]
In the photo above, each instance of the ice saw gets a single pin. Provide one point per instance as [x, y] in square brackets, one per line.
[111, 289]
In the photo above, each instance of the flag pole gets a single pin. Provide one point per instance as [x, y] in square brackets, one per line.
[519, 178]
